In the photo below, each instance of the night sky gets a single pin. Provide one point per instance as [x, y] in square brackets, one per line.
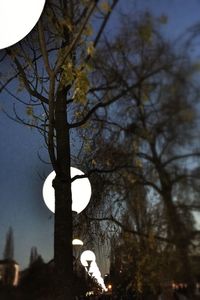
[21, 171]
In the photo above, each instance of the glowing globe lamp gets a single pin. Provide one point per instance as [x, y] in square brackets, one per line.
[87, 257]
[77, 242]
[94, 270]
[81, 191]
[17, 19]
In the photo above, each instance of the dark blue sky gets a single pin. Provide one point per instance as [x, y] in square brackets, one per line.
[21, 201]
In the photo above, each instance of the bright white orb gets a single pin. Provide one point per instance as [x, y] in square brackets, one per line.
[17, 19]
[77, 242]
[94, 269]
[86, 256]
[81, 191]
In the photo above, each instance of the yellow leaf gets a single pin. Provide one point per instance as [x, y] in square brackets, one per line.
[94, 162]
[68, 73]
[90, 49]
[105, 6]
[78, 114]
[29, 110]
[138, 163]
[145, 32]
[68, 23]
[87, 147]
[88, 30]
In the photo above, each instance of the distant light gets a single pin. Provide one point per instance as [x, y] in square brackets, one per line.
[77, 242]
[110, 286]
[87, 256]
[94, 270]
[173, 285]
[90, 293]
[81, 191]
[16, 278]
[88, 260]
[17, 19]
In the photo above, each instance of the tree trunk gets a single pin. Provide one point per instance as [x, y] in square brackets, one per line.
[177, 230]
[63, 256]
[178, 233]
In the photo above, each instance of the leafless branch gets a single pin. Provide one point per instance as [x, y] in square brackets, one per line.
[126, 229]
[177, 157]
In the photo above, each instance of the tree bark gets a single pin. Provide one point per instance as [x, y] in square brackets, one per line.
[178, 233]
[63, 257]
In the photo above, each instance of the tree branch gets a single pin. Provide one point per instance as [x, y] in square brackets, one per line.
[92, 171]
[126, 229]
[70, 48]
[180, 157]
[100, 105]
[43, 48]
[32, 92]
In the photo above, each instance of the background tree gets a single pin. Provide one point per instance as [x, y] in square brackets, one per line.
[151, 133]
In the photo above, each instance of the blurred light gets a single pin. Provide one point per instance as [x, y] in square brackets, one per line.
[16, 278]
[173, 285]
[81, 191]
[90, 293]
[92, 268]
[77, 242]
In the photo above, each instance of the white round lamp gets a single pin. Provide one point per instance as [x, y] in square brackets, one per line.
[81, 191]
[86, 257]
[17, 19]
[77, 242]
[94, 270]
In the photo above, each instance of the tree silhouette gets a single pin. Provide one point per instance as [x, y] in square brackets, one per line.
[9, 245]
[153, 135]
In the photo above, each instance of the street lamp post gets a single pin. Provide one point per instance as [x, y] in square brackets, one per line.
[77, 244]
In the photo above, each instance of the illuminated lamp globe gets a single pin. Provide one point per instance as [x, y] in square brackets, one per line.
[87, 257]
[77, 242]
[81, 191]
[17, 19]
[100, 281]
[96, 274]
[94, 268]
[94, 271]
